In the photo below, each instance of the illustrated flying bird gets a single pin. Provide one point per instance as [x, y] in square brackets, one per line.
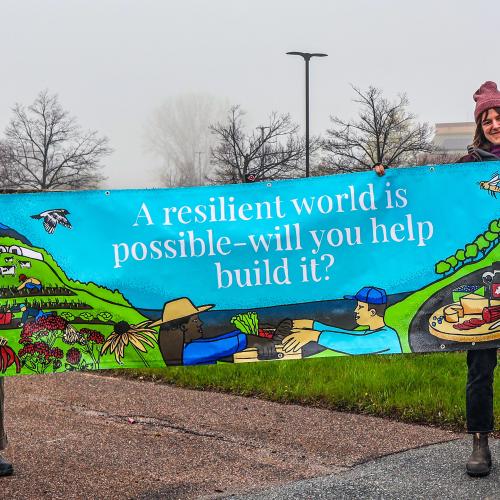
[51, 218]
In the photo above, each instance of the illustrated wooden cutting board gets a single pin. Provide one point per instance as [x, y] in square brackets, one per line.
[250, 355]
[470, 306]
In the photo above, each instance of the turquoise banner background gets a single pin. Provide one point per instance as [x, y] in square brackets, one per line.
[446, 196]
[122, 255]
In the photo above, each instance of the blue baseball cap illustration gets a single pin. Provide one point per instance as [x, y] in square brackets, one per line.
[370, 295]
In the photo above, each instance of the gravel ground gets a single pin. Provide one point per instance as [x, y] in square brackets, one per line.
[81, 435]
[433, 472]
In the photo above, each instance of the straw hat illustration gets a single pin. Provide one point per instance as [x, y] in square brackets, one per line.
[178, 309]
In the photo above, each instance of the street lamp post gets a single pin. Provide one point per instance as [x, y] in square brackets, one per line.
[307, 57]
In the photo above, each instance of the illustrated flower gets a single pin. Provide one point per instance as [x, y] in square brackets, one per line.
[73, 356]
[38, 356]
[92, 335]
[125, 334]
[57, 353]
[8, 357]
[50, 324]
[46, 329]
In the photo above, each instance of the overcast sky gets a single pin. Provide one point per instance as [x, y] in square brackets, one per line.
[113, 62]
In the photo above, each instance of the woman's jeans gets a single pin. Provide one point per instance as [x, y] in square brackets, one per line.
[3, 436]
[479, 392]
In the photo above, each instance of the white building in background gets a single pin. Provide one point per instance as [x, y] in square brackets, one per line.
[21, 251]
[453, 138]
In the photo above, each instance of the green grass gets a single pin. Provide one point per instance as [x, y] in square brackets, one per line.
[423, 388]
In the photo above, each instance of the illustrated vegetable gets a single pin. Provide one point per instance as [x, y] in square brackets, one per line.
[104, 316]
[8, 357]
[246, 323]
[67, 316]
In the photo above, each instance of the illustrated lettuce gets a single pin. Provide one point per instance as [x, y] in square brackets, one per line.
[246, 323]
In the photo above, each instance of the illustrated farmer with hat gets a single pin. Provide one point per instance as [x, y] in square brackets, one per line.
[378, 338]
[181, 338]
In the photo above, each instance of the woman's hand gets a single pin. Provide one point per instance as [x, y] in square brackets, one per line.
[379, 169]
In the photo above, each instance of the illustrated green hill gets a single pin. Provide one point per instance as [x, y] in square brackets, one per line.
[50, 273]
[86, 307]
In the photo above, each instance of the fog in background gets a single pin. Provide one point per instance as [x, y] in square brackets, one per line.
[113, 62]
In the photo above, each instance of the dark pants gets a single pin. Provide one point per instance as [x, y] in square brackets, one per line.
[3, 436]
[479, 392]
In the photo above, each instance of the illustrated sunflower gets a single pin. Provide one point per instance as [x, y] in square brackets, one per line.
[125, 334]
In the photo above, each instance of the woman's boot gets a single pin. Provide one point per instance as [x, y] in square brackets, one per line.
[479, 463]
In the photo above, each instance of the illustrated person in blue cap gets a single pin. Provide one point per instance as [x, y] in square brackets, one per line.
[369, 312]
[28, 311]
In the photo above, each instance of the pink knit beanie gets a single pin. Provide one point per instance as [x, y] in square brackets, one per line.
[486, 97]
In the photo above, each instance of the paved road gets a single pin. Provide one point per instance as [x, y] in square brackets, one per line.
[81, 435]
[431, 472]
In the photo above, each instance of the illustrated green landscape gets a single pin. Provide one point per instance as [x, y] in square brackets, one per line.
[85, 315]
[92, 327]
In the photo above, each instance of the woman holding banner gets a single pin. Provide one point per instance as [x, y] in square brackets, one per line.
[481, 362]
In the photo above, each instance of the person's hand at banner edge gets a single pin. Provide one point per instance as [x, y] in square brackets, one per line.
[299, 338]
[379, 169]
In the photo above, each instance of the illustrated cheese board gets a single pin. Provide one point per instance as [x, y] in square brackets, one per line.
[473, 318]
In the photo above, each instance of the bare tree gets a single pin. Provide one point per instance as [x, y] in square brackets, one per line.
[48, 149]
[384, 132]
[7, 167]
[438, 158]
[178, 134]
[274, 151]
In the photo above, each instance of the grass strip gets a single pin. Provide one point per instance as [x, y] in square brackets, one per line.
[417, 388]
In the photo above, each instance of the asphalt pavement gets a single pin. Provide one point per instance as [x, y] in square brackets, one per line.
[430, 472]
[83, 435]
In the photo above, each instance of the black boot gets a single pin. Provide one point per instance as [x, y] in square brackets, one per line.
[479, 463]
[6, 469]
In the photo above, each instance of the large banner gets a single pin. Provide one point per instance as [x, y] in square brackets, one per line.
[327, 266]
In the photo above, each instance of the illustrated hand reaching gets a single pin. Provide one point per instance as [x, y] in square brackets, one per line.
[265, 347]
[300, 324]
[299, 338]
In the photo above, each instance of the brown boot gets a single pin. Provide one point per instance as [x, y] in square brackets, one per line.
[479, 463]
